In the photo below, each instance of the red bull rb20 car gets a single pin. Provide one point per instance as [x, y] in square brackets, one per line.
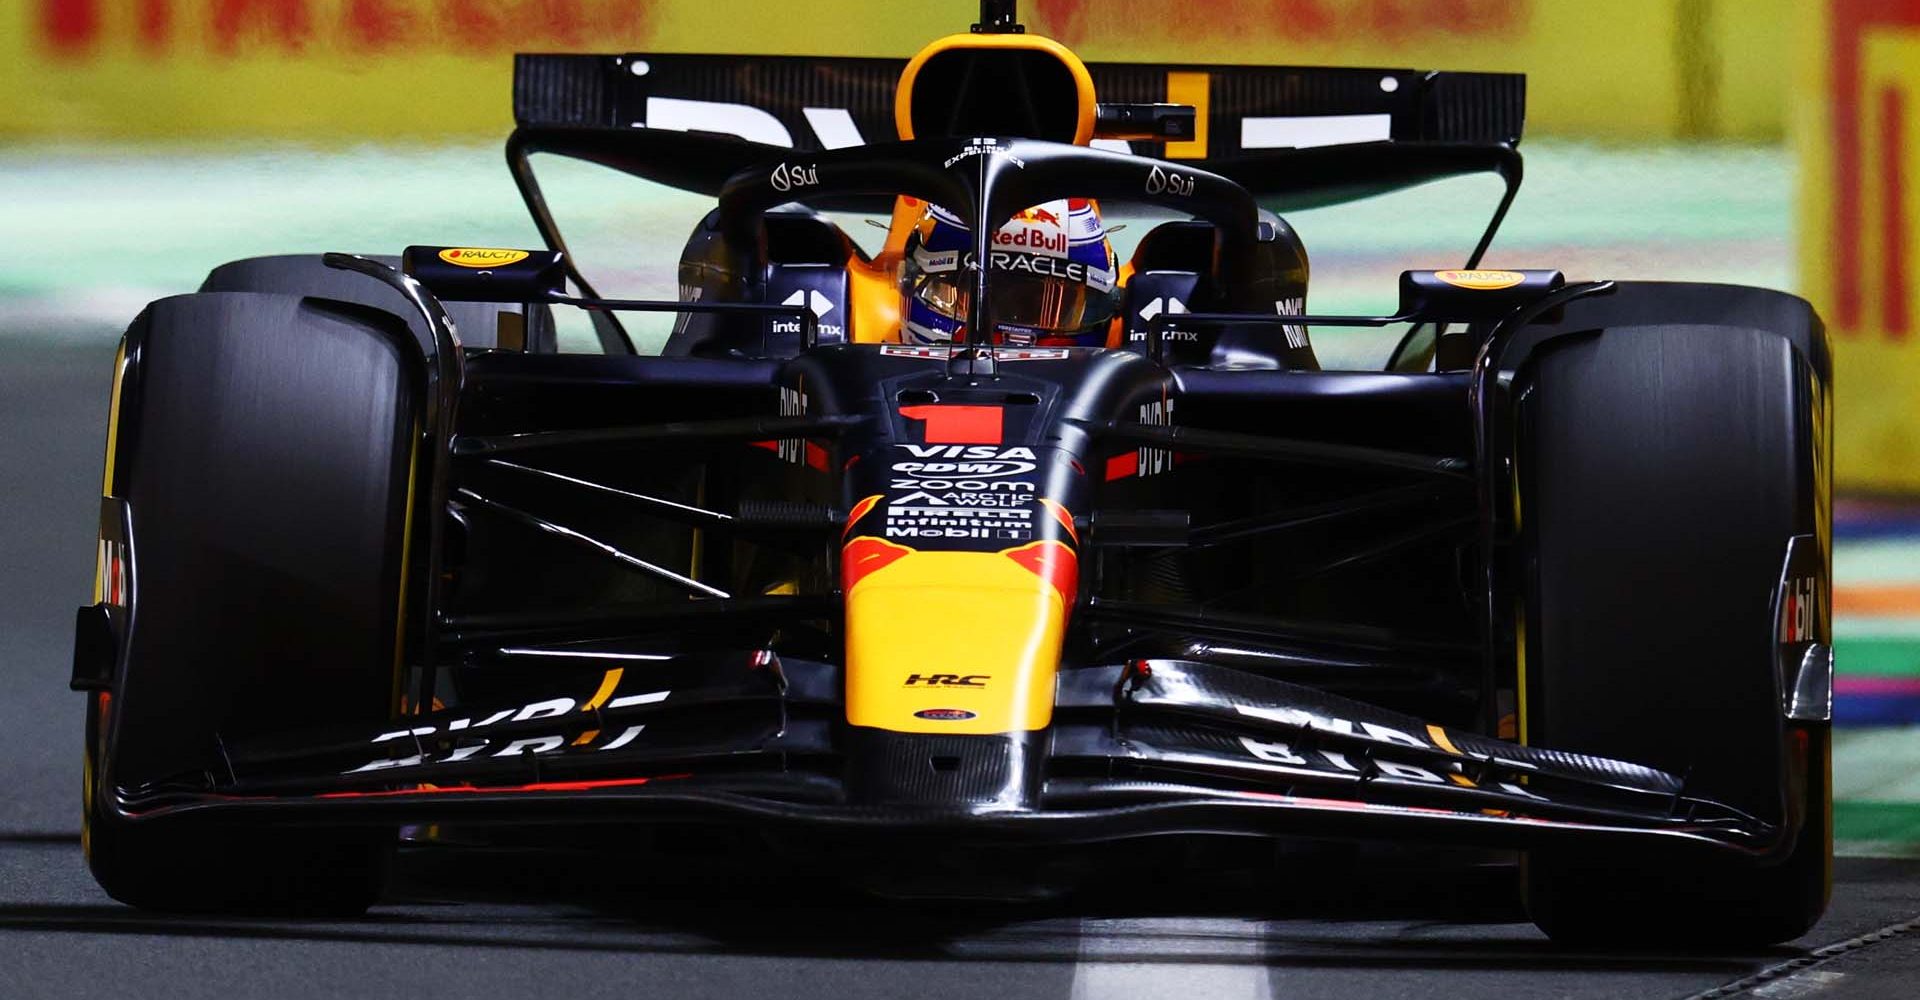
[990, 537]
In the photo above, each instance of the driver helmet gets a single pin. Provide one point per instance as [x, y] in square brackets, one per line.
[1052, 278]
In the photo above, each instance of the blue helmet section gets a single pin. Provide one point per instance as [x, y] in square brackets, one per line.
[1054, 277]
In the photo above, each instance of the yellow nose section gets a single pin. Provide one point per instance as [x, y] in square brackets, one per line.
[954, 642]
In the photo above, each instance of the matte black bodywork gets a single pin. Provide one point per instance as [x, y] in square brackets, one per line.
[1297, 609]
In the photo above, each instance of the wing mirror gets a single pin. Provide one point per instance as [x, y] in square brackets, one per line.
[1472, 295]
[486, 274]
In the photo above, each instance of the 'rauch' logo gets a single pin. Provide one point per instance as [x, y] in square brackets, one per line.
[1481, 280]
[482, 256]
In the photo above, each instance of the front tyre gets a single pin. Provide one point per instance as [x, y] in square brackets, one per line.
[261, 450]
[1663, 467]
[183, 868]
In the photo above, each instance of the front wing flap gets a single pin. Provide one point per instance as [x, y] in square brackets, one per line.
[1146, 747]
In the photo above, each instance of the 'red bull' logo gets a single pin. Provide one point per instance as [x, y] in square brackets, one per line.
[1033, 239]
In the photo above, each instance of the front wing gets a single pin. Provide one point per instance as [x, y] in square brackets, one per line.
[1142, 748]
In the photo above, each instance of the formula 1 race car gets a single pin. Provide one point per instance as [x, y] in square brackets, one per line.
[870, 554]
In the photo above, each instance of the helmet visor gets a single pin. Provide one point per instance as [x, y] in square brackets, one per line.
[1026, 292]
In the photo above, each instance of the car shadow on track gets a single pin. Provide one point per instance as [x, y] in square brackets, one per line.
[1363, 916]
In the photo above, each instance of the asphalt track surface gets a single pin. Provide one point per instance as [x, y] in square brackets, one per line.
[490, 923]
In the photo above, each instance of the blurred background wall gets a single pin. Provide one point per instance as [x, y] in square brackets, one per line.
[1626, 70]
[1855, 117]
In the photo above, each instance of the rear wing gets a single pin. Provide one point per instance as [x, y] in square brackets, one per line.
[807, 103]
[1369, 130]
[1294, 137]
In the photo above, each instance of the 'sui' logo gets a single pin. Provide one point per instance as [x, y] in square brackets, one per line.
[1159, 180]
[786, 177]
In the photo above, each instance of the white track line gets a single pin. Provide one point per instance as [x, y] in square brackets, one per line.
[1226, 961]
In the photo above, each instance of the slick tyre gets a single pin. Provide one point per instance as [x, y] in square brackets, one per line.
[207, 869]
[1661, 472]
[481, 324]
[263, 447]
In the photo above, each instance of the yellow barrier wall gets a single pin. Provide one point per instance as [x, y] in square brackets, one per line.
[1620, 69]
[1857, 124]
